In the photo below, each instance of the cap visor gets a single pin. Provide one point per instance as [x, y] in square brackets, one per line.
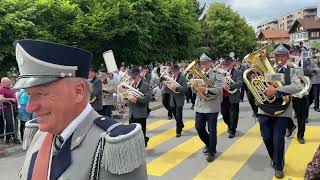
[32, 82]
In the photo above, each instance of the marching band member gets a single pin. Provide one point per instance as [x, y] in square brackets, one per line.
[300, 105]
[166, 94]
[73, 140]
[230, 103]
[177, 97]
[207, 110]
[273, 127]
[96, 92]
[108, 88]
[138, 106]
[315, 90]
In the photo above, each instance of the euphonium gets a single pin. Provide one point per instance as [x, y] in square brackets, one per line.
[305, 80]
[168, 81]
[125, 89]
[199, 78]
[256, 83]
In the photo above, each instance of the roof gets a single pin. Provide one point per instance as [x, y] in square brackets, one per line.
[273, 34]
[307, 24]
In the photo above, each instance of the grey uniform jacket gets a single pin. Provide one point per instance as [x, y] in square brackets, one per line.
[315, 68]
[140, 108]
[236, 76]
[212, 106]
[178, 97]
[294, 87]
[74, 160]
[97, 92]
[108, 98]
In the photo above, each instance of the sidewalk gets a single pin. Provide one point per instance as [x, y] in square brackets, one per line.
[12, 148]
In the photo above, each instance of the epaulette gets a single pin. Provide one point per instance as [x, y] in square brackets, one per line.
[121, 148]
[31, 127]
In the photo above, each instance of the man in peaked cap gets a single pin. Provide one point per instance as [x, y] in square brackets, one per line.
[138, 106]
[177, 97]
[273, 127]
[72, 138]
[231, 95]
[207, 110]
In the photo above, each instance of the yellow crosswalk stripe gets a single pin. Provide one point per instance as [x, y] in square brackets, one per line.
[230, 162]
[167, 135]
[299, 155]
[157, 124]
[175, 156]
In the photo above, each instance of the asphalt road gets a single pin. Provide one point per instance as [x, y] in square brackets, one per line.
[243, 157]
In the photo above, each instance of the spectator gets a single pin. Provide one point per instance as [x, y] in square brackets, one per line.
[6, 113]
[23, 115]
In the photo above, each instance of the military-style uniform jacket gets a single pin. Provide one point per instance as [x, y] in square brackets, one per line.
[211, 106]
[107, 95]
[100, 148]
[292, 87]
[178, 97]
[236, 76]
[140, 108]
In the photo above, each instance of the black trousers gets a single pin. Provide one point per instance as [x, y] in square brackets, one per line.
[166, 103]
[301, 109]
[209, 139]
[143, 123]
[107, 110]
[6, 116]
[242, 91]
[22, 126]
[177, 113]
[230, 114]
[252, 103]
[316, 90]
[273, 131]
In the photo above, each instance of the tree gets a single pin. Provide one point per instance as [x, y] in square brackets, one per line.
[138, 31]
[225, 31]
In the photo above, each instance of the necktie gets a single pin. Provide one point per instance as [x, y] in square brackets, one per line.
[58, 143]
[282, 70]
[41, 167]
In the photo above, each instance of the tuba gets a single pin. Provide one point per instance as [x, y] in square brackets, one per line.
[254, 78]
[199, 78]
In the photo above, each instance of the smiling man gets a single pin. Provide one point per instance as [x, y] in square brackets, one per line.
[73, 138]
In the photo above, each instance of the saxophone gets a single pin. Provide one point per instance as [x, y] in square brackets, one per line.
[256, 83]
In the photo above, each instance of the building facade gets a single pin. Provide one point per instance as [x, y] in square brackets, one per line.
[306, 31]
[285, 22]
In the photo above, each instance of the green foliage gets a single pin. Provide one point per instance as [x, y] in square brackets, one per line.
[225, 31]
[138, 31]
[316, 45]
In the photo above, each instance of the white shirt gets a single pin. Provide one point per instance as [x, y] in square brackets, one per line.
[66, 133]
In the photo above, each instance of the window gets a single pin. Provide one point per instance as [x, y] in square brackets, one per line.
[314, 34]
[305, 35]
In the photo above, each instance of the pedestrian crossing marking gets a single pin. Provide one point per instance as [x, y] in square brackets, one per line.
[157, 124]
[298, 155]
[167, 135]
[175, 156]
[231, 161]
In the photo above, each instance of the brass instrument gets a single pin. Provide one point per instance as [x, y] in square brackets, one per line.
[125, 89]
[169, 81]
[92, 99]
[305, 81]
[256, 82]
[199, 78]
[228, 80]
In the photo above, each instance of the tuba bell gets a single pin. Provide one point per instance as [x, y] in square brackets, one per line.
[199, 77]
[254, 78]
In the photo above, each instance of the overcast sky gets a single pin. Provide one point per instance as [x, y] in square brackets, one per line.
[258, 11]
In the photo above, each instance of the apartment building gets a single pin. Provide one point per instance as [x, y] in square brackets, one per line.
[285, 22]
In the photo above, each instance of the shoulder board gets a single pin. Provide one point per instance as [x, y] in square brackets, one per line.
[124, 149]
[30, 130]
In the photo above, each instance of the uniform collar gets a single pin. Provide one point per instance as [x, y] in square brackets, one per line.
[66, 133]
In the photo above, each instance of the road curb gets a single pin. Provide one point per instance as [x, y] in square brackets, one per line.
[10, 151]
